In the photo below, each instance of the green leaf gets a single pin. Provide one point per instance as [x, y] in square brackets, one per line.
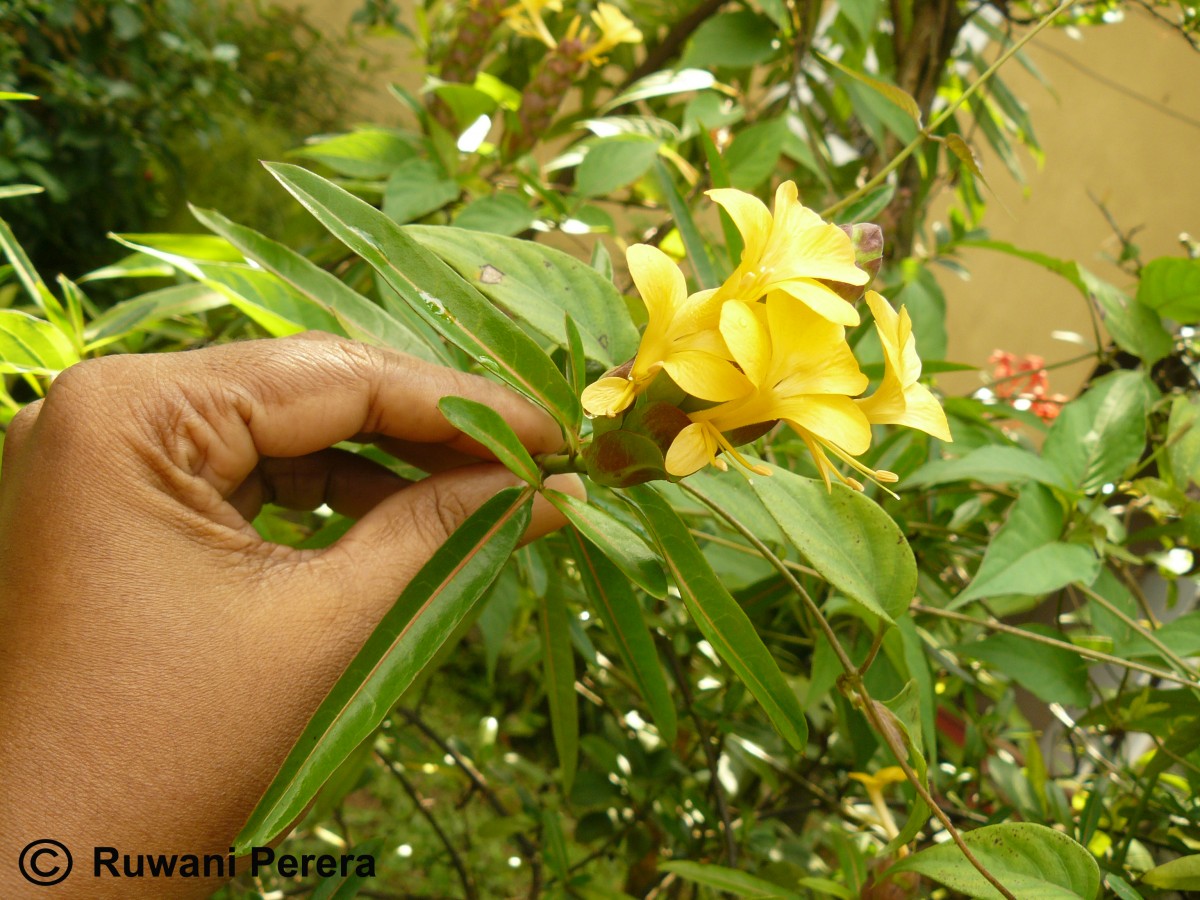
[1054, 674]
[143, 311]
[719, 618]
[895, 95]
[576, 358]
[1171, 287]
[369, 153]
[1183, 440]
[620, 543]
[32, 345]
[427, 612]
[17, 95]
[434, 291]
[538, 284]
[697, 248]
[1026, 557]
[1034, 862]
[725, 879]
[558, 670]
[846, 537]
[359, 317]
[51, 308]
[1099, 435]
[613, 163]
[265, 299]
[1181, 874]
[754, 154]
[988, 465]
[1134, 326]
[866, 208]
[486, 426]
[621, 614]
[415, 189]
[662, 84]
[505, 214]
[19, 190]
[733, 40]
[1122, 888]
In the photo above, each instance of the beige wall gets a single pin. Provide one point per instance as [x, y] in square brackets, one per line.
[1139, 160]
[1142, 163]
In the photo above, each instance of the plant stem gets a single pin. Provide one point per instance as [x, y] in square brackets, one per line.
[927, 132]
[558, 463]
[1168, 654]
[1085, 652]
[419, 802]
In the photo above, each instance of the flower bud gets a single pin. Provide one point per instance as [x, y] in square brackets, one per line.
[868, 256]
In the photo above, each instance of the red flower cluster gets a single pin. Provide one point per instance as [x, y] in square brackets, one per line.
[1025, 378]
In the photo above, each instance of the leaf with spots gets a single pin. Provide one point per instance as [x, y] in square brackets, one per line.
[1034, 862]
[537, 285]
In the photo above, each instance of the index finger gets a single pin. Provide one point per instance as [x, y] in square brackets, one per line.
[291, 397]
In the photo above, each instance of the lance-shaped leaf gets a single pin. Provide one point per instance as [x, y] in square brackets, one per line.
[32, 345]
[697, 249]
[845, 536]
[899, 97]
[722, 878]
[427, 612]
[1032, 861]
[361, 319]
[50, 306]
[620, 543]
[719, 618]
[263, 298]
[576, 359]
[456, 310]
[621, 614]
[558, 671]
[485, 425]
[538, 284]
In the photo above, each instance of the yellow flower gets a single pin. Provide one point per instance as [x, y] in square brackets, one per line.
[681, 338]
[525, 18]
[789, 251]
[901, 399]
[802, 371]
[875, 785]
[615, 28]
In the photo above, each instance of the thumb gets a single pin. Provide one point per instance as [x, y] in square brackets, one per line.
[376, 559]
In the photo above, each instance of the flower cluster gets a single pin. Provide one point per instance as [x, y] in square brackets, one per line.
[581, 45]
[1025, 384]
[770, 344]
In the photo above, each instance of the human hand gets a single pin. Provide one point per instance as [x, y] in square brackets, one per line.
[158, 659]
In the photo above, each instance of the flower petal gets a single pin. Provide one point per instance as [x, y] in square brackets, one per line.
[821, 251]
[607, 396]
[820, 300]
[744, 328]
[751, 217]
[659, 281]
[835, 419]
[693, 449]
[706, 376]
[810, 353]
